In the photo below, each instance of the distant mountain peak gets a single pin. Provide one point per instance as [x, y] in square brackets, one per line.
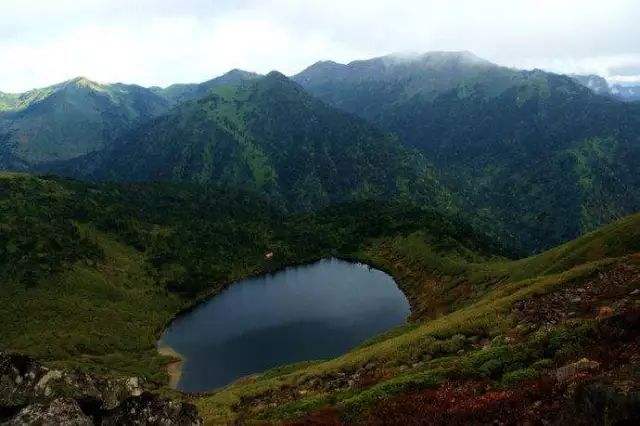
[276, 75]
[593, 82]
[240, 72]
[435, 59]
[83, 82]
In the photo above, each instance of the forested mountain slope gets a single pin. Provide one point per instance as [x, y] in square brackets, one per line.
[81, 262]
[70, 119]
[179, 93]
[270, 136]
[543, 156]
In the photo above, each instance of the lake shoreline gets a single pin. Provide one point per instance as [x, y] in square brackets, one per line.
[347, 294]
[173, 368]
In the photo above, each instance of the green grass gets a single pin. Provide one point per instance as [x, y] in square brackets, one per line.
[104, 318]
[440, 340]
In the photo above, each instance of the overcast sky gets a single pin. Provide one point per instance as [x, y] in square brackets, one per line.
[159, 42]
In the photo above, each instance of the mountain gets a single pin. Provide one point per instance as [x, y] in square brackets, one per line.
[8, 101]
[270, 136]
[70, 119]
[629, 93]
[79, 116]
[541, 156]
[373, 88]
[597, 84]
[179, 93]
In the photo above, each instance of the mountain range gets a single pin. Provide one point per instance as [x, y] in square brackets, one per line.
[539, 153]
[454, 175]
[537, 158]
[600, 86]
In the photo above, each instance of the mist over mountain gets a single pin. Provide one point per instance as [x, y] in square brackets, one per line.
[628, 92]
[597, 84]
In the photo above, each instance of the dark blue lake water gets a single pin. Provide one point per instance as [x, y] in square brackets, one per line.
[306, 312]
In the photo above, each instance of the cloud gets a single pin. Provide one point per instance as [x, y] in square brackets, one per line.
[159, 42]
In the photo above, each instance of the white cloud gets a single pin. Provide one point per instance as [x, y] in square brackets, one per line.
[158, 42]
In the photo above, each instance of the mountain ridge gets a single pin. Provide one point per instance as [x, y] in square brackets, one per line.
[270, 135]
[504, 140]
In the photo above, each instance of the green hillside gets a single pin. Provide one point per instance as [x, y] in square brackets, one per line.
[90, 273]
[268, 135]
[539, 339]
[539, 155]
[180, 93]
[71, 119]
[8, 101]
[80, 263]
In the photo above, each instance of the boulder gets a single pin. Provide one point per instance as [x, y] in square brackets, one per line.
[31, 393]
[59, 411]
[149, 409]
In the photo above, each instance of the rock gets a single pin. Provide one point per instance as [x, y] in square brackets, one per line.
[133, 385]
[151, 409]
[60, 411]
[33, 394]
[19, 376]
[569, 371]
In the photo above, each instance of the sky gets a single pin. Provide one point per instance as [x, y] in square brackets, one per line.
[160, 42]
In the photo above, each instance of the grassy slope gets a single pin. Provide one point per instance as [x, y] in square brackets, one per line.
[104, 317]
[91, 273]
[427, 353]
[96, 302]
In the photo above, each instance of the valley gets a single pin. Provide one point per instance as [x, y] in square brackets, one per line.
[398, 240]
[480, 323]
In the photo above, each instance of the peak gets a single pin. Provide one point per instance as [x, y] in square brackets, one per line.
[83, 82]
[239, 72]
[320, 69]
[276, 75]
[232, 77]
[326, 64]
[437, 56]
[277, 80]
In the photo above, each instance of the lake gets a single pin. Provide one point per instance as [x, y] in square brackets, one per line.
[308, 312]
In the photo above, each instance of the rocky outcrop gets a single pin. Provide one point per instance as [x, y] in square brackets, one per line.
[31, 393]
[60, 411]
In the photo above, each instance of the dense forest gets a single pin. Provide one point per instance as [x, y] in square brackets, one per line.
[535, 155]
